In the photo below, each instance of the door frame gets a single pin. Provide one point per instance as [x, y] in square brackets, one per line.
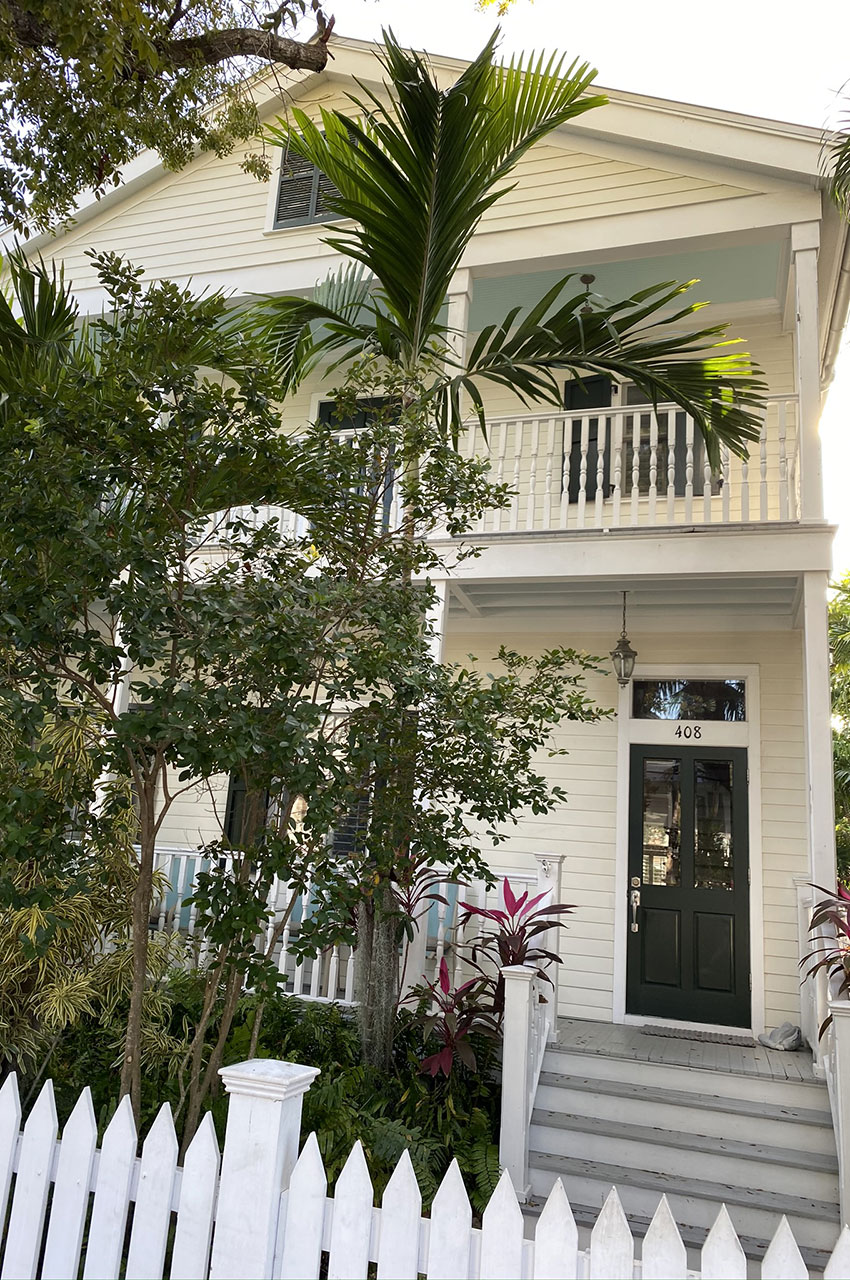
[714, 733]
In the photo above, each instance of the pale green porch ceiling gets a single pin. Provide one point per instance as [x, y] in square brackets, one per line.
[739, 273]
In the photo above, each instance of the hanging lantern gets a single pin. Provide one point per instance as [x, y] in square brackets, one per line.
[623, 655]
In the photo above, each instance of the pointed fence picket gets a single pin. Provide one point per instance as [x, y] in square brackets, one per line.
[342, 1236]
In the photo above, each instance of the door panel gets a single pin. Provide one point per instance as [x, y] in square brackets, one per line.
[688, 958]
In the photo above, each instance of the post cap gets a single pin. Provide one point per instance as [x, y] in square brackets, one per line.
[268, 1078]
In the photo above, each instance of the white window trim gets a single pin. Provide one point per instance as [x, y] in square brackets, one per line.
[715, 733]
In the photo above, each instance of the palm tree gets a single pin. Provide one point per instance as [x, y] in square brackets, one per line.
[415, 177]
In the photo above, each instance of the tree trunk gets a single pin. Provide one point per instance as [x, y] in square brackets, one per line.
[131, 1068]
[377, 978]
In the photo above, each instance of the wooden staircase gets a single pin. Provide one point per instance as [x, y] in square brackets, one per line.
[702, 1123]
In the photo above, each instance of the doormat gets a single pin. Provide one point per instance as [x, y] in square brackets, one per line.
[713, 1037]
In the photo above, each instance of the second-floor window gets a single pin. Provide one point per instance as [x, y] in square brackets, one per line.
[302, 193]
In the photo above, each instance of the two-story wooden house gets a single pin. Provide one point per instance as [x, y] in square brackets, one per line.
[698, 814]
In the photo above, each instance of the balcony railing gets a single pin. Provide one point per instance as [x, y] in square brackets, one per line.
[618, 468]
[632, 466]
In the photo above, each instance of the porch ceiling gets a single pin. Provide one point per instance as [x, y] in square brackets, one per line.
[707, 603]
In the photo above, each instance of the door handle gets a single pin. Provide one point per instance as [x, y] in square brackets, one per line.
[634, 903]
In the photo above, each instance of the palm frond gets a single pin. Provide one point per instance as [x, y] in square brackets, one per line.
[417, 177]
[632, 339]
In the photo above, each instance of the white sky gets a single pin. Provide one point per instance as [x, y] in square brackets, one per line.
[771, 58]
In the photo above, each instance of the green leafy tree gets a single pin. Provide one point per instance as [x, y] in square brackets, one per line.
[87, 86]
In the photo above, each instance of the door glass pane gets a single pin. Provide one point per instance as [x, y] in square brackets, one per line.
[713, 824]
[662, 819]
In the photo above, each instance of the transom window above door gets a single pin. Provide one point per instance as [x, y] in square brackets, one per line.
[684, 699]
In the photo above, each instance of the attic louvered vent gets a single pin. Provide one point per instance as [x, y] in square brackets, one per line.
[302, 193]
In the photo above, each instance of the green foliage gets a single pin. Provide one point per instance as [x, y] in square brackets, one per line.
[415, 177]
[88, 85]
[389, 1113]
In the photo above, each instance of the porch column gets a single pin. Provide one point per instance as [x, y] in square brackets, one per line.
[549, 867]
[818, 726]
[804, 248]
[459, 298]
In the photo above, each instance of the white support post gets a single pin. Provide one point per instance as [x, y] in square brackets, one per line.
[516, 1076]
[818, 725]
[804, 247]
[805, 943]
[840, 1010]
[260, 1151]
[549, 868]
[459, 298]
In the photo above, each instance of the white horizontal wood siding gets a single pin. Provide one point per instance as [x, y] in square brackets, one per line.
[584, 828]
[211, 217]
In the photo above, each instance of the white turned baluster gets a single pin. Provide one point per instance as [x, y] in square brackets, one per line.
[441, 932]
[298, 976]
[763, 469]
[689, 470]
[653, 467]
[582, 475]
[782, 427]
[671, 467]
[518, 435]
[635, 465]
[287, 930]
[550, 471]
[531, 503]
[725, 472]
[163, 906]
[316, 974]
[271, 907]
[193, 906]
[333, 972]
[745, 488]
[706, 488]
[617, 449]
[567, 429]
[600, 469]
[349, 975]
[500, 471]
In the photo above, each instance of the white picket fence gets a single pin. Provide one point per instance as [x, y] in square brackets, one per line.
[262, 1214]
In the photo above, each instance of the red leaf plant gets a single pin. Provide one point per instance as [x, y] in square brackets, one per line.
[514, 939]
[454, 1015]
[832, 946]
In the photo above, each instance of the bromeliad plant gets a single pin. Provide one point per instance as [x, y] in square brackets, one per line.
[519, 931]
[830, 929]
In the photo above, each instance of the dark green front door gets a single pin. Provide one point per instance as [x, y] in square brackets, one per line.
[688, 953]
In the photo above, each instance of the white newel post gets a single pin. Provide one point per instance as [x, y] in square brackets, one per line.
[260, 1151]
[549, 868]
[516, 1076]
[840, 1010]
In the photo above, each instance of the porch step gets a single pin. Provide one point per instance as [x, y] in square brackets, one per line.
[672, 1151]
[806, 1128]
[694, 1202]
[725, 1083]
[702, 1136]
[693, 1237]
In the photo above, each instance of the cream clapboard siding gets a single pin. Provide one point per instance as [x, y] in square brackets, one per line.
[584, 829]
[211, 216]
[195, 816]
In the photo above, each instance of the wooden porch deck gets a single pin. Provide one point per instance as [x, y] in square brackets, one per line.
[615, 1040]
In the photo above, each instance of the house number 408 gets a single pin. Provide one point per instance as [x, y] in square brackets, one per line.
[688, 731]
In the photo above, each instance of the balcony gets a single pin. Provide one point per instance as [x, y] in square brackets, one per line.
[605, 469]
[633, 467]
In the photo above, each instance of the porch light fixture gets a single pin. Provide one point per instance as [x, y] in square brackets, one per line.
[623, 655]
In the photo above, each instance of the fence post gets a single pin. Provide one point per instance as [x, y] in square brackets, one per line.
[260, 1150]
[840, 1010]
[516, 1076]
[549, 868]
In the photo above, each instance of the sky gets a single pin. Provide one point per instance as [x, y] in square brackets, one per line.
[787, 61]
